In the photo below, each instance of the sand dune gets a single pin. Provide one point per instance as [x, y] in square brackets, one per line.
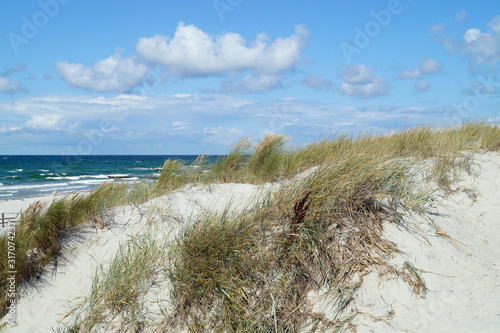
[459, 264]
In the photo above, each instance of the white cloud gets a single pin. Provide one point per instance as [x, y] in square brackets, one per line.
[222, 135]
[462, 14]
[45, 121]
[194, 53]
[8, 130]
[412, 74]
[112, 74]
[361, 82]
[130, 124]
[180, 125]
[317, 82]
[422, 85]
[427, 66]
[11, 86]
[472, 35]
[484, 46]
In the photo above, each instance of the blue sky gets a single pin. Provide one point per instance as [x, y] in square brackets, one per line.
[191, 77]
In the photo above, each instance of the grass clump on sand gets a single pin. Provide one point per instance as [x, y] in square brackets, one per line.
[265, 162]
[211, 273]
[36, 243]
[254, 273]
[230, 167]
[117, 289]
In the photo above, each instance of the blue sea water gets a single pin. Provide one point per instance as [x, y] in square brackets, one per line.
[26, 176]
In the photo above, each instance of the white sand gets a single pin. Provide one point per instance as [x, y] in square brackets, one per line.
[462, 276]
[44, 304]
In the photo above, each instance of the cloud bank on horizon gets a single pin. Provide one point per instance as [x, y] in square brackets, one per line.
[164, 78]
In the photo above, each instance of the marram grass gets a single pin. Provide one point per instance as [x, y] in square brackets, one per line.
[37, 243]
[117, 289]
[253, 273]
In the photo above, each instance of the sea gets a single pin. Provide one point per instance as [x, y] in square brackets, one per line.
[34, 175]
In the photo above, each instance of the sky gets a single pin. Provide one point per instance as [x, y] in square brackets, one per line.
[189, 77]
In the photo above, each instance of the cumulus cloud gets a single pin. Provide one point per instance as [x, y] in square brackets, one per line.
[484, 46]
[361, 82]
[11, 86]
[317, 82]
[112, 74]
[422, 85]
[192, 52]
[481, 47]
[427, 66]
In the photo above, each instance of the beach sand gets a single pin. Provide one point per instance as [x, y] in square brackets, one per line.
[459, 264]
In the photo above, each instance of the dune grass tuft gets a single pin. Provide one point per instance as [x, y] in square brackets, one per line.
[254, 273]
[170, 174]
[116, 290]
[228, 168]
[266, 161]
[37, 234]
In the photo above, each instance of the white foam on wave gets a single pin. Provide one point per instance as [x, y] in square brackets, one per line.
[94, 176]
[89, 182]
[66, 189]
[64, 178]
[82, 177]
[29, 187]
[149, 169]
[15, 170]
